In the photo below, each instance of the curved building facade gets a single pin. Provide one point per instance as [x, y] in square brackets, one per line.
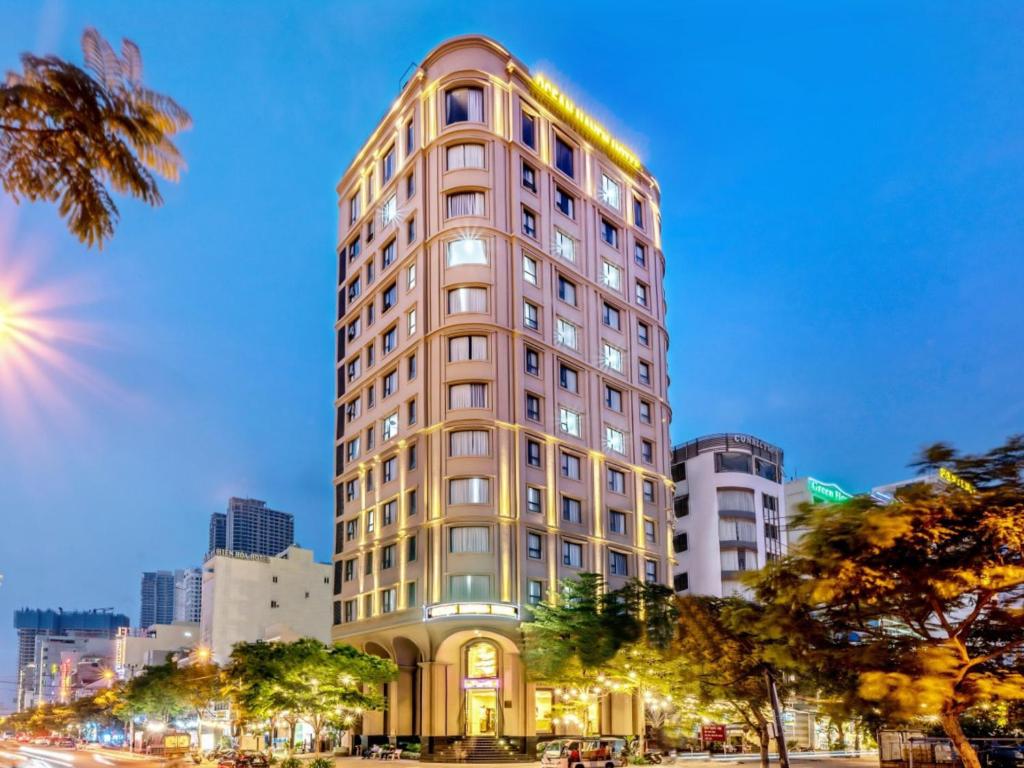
[502, 412]
[729, 511]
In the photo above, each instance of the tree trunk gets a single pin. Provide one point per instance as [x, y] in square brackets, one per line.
[951, 725]
[316, 738]
[292, 725]
[762, 737]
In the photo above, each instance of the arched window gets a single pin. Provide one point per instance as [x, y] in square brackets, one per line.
[482, 660]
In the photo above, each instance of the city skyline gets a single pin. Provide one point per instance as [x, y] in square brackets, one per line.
[822, 269]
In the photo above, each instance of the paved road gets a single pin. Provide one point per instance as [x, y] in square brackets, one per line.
[13, 755]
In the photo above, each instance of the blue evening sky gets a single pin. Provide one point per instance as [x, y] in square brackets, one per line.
[843, 202]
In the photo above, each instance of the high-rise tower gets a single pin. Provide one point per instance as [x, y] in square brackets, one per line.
[502, 411]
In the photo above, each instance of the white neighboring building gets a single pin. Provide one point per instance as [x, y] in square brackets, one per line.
[809, 489]
[188, 595]
[134, 650]
[728, 504]
[255, 597]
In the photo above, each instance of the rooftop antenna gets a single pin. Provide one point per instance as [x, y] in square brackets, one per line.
[402, 79]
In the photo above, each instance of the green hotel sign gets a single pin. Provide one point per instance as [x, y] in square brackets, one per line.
[827, 492]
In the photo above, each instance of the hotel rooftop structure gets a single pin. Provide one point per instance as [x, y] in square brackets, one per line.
[502, 407]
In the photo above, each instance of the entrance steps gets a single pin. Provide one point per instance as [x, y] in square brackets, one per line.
[478, 749]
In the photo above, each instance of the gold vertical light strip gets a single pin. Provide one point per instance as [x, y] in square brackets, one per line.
[403, 518]
[554, 554]
[597, 470]
[502, 437]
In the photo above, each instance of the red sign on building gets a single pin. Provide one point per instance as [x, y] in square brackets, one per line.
[712, 733]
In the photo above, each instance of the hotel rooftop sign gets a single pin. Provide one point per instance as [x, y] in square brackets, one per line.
[587, 126]
[827, 492]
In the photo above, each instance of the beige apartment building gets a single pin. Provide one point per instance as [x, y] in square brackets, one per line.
[502, 408]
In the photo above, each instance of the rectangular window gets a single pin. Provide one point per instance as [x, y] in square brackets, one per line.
[618, 563]
[461, 156]
[410, 549]
[648, 489]
[390, 383]
[388, 166]
[532, 362]
[572, 554]
[566, 335]
[465, 104]
[570, 466]
[609, 233]
[680, 582]
[529, 177]
[387, 557]
[642, 294]
[410, 322]
[469, 442]
[387, 255]
[681, 505]
[388, 468]
[534, 595]
[644, 372]
[528, 129]
[565, 246]
[467, 348]
[469, 539]
[734, 462]
[617, 521]
[461, 300]
[643, 334]
[410, 594]
[465, 204]
[534, 546]
[613, 399]
[570, 422]
[368, 564]
[572, 510]
[469, 587]
[616, 480]
[614, 440]
[530, 314]
[533, 453]
[410, 139]
[567, 291]
[389, 298]
[387, 600]
[389, 211]
[529, 270]
[533, 500]
[568, 378]
[645, 412]
[647, 452]
[611, 276]
[565, 203]
[411, 503]
[649, 533]
[353, 208]
[532, 407]
[611, 192]
[410, 277]
[350, 610]
[410, 184]
[638, 212]
[651, 571]
[410, 230]
[611, 357]
[468, 250]
[389, 427]
[389, 339]
[529, 223]
[469, 490]
[470, 395]
[565, 157]
[680, 543]
[610, 316]
[640, 255]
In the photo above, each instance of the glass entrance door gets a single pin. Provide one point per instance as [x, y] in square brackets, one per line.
[482, 712]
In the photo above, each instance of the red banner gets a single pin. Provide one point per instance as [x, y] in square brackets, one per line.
[712, 733]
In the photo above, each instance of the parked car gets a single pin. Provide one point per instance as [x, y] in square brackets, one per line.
[1002, 756]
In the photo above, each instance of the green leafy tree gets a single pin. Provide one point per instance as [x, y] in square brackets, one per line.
[67, 134]
[728, 661]
[157, 694]
[920, 598]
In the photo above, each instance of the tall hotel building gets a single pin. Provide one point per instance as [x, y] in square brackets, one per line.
[502, 411]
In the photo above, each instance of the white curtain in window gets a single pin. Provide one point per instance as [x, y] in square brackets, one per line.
[572, 554]
[467, 396]
[467, 348]
[737, 530]
[466, 204]
[470, 442]
[465, 156]
[467, 300]
[468, 250]
[469, 587]
[469, 490]
[476, 105]
[470, 539]
[730, 560]
[735, 500]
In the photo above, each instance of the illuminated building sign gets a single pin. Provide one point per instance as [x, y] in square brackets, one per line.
[480, 682]
[444, 610]
[829, 492]
[954, 479]
[587, 126]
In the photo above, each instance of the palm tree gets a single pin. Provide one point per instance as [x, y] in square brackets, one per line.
[66, 133]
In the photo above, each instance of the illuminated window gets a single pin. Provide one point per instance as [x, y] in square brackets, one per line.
[611, 192]
[469, 587]
[570, 422]
[482, 660]
[470, 395]
[465, 156]
[466, 539]
[614, 440]
[462, 300]
[565, 246]
[566, 334]
[529, 270]
[389, 426]
[611, 276]
[611, 357]
[464, 104]
[470, 442]
[465, 204]
[469, 490]
[468, 250]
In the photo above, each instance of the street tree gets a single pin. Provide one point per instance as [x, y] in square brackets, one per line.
[156, 694]
[69, 135]
[921, 598]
